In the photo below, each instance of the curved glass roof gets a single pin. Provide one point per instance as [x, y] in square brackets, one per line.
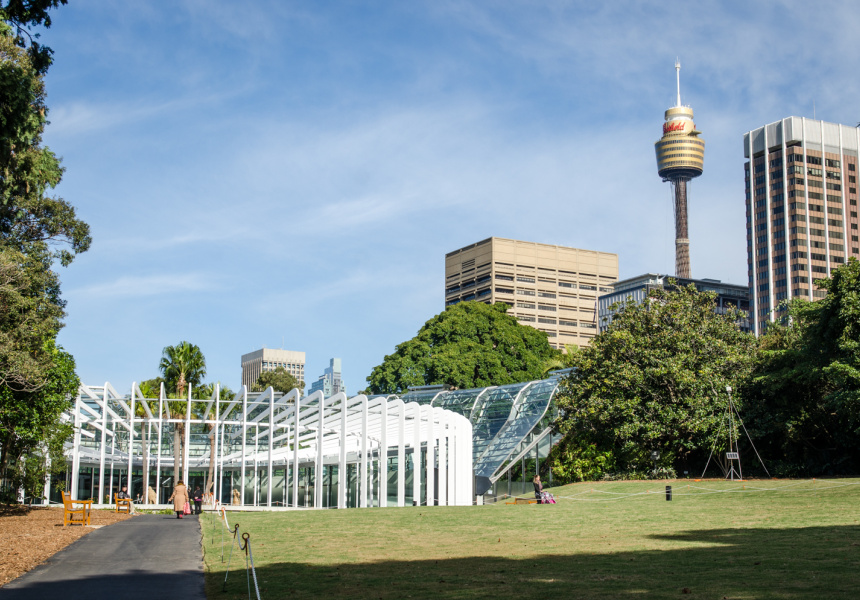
[529, 407]
[460, 401]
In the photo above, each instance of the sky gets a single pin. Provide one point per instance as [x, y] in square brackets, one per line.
[291, 174]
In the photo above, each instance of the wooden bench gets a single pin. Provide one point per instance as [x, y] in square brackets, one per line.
[122, 504]
[523, 501]
[73, 515]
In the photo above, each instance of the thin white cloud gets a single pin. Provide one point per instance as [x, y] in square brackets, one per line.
[146, 285]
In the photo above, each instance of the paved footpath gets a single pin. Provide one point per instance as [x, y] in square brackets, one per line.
[148, 556]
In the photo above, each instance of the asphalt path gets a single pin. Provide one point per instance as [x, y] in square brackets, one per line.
[148, 556]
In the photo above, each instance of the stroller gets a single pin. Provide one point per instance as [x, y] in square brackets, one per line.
[546, 498]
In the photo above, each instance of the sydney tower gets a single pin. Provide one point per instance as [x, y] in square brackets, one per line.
[680, 157]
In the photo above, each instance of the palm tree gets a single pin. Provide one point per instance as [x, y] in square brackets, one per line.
[181, 365]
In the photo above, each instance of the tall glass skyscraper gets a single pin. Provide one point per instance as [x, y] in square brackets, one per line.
[801, 198]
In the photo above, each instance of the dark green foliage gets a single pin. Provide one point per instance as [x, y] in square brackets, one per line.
[279, 380]
[804, 397]
[470, 344]
[31, 221]
[654, 381]
[30, 419]
[182, 365]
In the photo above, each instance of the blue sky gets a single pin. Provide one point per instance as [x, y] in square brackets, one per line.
[288, 174]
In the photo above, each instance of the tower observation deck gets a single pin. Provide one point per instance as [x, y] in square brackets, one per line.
[680, 157]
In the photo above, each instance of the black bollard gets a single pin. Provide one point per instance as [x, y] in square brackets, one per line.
[668, 493]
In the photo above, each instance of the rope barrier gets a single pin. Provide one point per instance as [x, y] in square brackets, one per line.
[230, 558]
[249, 559]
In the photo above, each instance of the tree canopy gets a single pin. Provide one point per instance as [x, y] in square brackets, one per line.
[182, 365]
[470, 344]
[653, 381]
[279, 379]
[804, 395]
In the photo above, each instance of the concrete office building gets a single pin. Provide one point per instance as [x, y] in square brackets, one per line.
[801, 199]
[551, 288]
[636, 289]
[267, 359]
[330, 382]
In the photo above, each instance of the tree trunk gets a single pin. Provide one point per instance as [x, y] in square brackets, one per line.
[177, 453]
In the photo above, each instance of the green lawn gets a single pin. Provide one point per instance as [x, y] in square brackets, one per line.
[800, 541]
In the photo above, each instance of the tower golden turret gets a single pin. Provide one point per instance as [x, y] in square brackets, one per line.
[680, 157]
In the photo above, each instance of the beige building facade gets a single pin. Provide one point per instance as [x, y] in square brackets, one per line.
[801, 201]
[551, 288]
[267, 359]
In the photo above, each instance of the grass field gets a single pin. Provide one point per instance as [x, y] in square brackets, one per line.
[757, 539]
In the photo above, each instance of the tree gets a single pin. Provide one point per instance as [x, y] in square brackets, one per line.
[181, 365]
[279, 379]
[804, 395]
[470, 344]
[653, 381]
[28, 317]
[31, 421]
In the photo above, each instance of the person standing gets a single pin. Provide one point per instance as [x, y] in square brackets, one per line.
[538, 488]
[198, 500]
[179, 497]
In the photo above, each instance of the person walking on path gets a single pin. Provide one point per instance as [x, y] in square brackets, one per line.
[198, 500]
[538, 488]
[179, 497]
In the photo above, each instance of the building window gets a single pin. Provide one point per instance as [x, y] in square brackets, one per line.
[526, 292]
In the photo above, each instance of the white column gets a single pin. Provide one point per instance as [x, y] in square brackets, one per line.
[296, 407]
[342, 480]
[431, 455]
[362, 479]
[271, 445]
[131, 446]
[186, 454]
[416, 453]
[76, 449]
[318, 463]
[244, 444]
[443, 458]
[216, 484]
[383, 455]
[101, 497]
[401, 452]
[158, 445]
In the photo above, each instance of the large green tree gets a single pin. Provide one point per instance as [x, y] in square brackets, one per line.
[279, 380]
[470, 344]
[30, 421]
[804, 396]
[655, 380]
[36, 229]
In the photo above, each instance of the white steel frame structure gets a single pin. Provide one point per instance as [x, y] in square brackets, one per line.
[272, 450]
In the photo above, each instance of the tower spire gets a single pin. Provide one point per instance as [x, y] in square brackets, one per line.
[678, 78]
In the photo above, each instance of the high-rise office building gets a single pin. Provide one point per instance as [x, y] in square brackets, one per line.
[331, 381]
[268, 359]
[801, 199]
[636, 289]
[551, 288]
[680, 158]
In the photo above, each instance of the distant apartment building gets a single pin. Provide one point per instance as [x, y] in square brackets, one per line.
[801, 199]
[551, 288]
[330, 382]
[267, 359]
[636, 289]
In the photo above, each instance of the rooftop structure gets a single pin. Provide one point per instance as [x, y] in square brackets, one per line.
[551, 288]
[268, 359]
[680, 158]
[636, 289]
